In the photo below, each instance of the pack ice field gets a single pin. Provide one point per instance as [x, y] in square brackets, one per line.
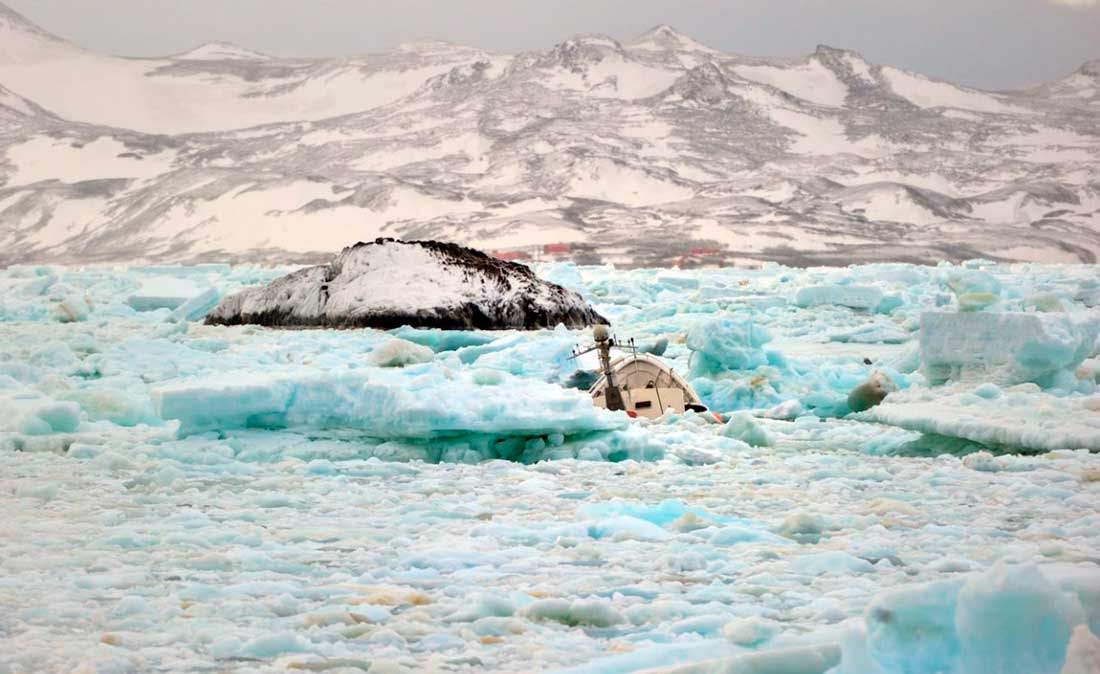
[181, 496]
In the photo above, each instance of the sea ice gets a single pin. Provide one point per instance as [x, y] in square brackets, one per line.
[399, 353]
[197, 306]
[747, 429]
[416, 402]
[974, 289]
[163, 292]
[731, 343]
[1005, 348]
[1012, 618]
[1021, 419]
[180, 496]
[852, 296]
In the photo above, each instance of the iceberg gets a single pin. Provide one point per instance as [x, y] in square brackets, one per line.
[1004, 348]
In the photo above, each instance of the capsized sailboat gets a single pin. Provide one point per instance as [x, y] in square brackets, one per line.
[639, 384]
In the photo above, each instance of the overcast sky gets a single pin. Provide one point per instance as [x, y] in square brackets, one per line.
[986, 43]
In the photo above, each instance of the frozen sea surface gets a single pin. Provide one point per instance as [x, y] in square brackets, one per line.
[180, 497]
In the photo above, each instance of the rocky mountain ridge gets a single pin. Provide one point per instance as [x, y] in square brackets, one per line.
[653, 151]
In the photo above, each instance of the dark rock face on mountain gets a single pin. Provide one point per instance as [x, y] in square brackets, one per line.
[389, 283]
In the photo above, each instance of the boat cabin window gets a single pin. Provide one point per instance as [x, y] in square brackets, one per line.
[643, 404]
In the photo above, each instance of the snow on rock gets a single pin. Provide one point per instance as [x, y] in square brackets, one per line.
[221, 152]
[811, 81]
[1005, 348]
[927, 93]
[45, 158]
[213, 88]
[667, 38]
[389, 283]
[204, 155]
[221, 51]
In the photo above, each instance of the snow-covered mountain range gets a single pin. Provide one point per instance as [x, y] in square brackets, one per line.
[655, 151]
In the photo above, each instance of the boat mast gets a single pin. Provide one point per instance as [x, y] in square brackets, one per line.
[612, 395]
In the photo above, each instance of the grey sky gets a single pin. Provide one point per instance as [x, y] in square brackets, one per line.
[987, 43]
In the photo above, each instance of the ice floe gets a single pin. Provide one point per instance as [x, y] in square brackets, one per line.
[182, 496]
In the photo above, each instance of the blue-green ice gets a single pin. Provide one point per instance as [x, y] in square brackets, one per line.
[188, 497]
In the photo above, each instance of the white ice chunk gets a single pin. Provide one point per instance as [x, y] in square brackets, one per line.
[71, 309]
[864, 298]
[833, 562]
[399, 353]
[1013, 618]
[1083, 654]
[744, 427]
[1004, 348]
[402, 403]
[163, 292]
[974, 289]
[30, 413]
[804, 660]
[197, 307]
[1019, 419]
[594, 612]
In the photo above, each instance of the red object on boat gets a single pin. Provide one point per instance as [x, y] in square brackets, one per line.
[632, 414]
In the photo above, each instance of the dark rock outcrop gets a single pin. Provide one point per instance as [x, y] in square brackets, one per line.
[389, 283]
